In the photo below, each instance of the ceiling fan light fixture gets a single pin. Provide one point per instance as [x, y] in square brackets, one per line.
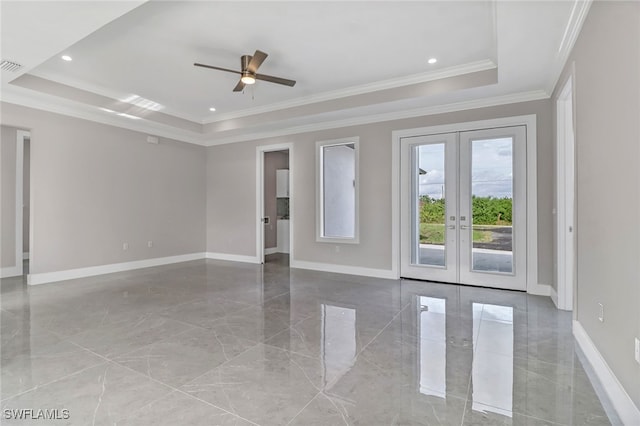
[248, 74]
[248, 79]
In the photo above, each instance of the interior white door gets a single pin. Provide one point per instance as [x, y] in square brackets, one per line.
[463, 207]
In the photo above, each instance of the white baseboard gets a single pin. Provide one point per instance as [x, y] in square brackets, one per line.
[11, 271]
[25, 255]
[69, 274]
[271, 250]
[344, 269]
[626, 410]
[232, 257]
[539, 289]
[554, 297]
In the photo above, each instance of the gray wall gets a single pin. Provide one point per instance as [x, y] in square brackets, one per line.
[272, 161]
[231, 182]
[606, 60]
[8, 196]
[95, 187]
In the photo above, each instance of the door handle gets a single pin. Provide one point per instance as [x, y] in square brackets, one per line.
[464, 227]
[451, 227]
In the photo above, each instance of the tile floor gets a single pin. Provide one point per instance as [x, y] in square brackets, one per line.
[208, 342]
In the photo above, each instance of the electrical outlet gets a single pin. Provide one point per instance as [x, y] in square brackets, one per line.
[637, 350]
[149, 243]
[601, 312]
[125, 246]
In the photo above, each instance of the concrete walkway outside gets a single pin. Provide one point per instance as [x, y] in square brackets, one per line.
[486, 260]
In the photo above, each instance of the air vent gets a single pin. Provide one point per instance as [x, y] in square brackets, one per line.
[10, 66]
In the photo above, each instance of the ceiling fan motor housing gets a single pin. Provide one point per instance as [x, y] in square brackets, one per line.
[247, 76]
[244, 62]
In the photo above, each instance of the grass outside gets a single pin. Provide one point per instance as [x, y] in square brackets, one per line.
[433, 233]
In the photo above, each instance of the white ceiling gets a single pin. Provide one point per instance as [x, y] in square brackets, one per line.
[350, 59]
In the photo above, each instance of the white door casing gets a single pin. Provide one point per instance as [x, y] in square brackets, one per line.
[565, 202]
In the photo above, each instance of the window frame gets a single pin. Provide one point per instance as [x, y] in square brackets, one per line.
[320, 236]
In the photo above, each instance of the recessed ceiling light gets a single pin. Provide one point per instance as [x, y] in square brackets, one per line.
[67, 58]
[432, 61]
[212, 109]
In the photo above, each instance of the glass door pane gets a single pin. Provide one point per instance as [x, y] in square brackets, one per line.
[492, 205]
[429, 205]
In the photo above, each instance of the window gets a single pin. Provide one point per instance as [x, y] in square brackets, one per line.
[337, 189]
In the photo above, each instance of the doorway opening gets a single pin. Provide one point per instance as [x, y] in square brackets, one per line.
[15, 202]
[26, 203]
[565, 202]
[274, 204]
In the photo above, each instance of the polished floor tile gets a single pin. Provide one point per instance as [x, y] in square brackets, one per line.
[100, 395]
[178, 408]
[41, 364]
[266, 385]
[111, 340]
[212, 342]
[185, 356]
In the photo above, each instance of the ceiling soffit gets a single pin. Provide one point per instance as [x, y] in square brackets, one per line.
[475, 79]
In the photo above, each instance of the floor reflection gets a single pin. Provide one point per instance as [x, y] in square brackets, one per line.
[492, 361]
[338, 341]
[492, 371]
[274, 345]
[433, 345]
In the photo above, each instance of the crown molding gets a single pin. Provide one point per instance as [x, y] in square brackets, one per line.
[49, 103]
[359, 90]
[571, 32]
[390, 116]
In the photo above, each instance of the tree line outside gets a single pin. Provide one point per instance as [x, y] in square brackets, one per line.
[489, 211]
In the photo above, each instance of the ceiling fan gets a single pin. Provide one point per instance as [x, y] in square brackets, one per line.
[249, 75]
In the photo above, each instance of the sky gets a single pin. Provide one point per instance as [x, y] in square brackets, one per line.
[491, 170]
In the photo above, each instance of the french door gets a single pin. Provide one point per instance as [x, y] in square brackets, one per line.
[463, 211]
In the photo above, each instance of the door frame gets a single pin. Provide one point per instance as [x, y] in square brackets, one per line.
[260, 151]
[17, 269]
[565, 214]
[530, 121]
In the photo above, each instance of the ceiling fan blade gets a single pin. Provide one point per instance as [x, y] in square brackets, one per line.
[239, 87]
[216, 68]
[276, 80]
[257, 60]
